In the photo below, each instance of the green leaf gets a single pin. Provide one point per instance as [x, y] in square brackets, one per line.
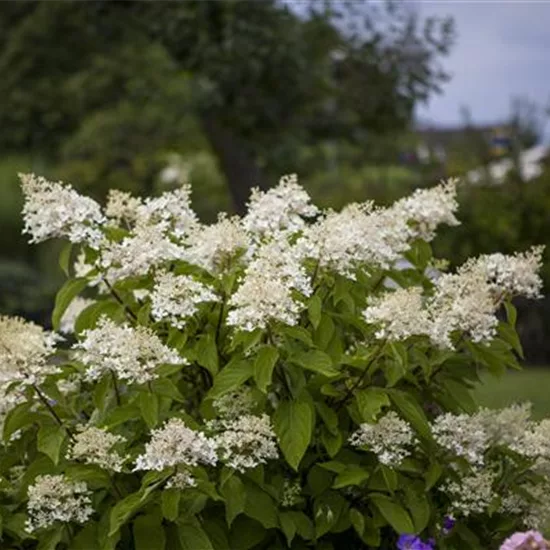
[50, 439]
[324, 332]
[233, 491]
[328, 416]
[192, 536]
[89, 316]
[419, 254]
[124, 509]
[327, 510]
[260, 506]
[92, 475]
[460, 393]
[231, 377]
[288, 526]
[333, 443]
[314, 310]
[411, 412]
[293, 423]
[297, 333]
[510, 336]
[393, 513]
[246, 533]
[149, 533]
[169, 501]
[433, 474]
[87, 538]
[352, 475]
[316, 361]
[166, 388]
[265, 362]
[50, 539]
[418, 505]
[65, 258]
[149, 407]
[122, 414]
[511, 313]
[370, 401]
[357, 520]
[18, 418]
[65, 296]
[207, 353]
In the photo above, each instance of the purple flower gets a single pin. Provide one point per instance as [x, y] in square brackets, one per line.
[448, 524]
[520, 540]
[412, 542]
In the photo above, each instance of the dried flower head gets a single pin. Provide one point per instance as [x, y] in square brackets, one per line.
[176, 445]
[132, 354]
[55, 498]
[390, 439]
[57, 210]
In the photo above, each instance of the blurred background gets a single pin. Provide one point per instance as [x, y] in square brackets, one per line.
[363, 99]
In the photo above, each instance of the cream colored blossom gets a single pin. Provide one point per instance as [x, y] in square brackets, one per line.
[175, 444]
[54, 498]
[93, 445]
[132, 354]
[175, 298]
[245, 442]
[426, 209]
[472, 494]
[213, 247]
[268, 289]
[146, 247]
[122, 207]
[281, 209]
[391, 439]
[57, 210]
[24, 350]
[399, 314]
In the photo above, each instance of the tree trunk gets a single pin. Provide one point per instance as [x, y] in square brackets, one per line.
[238, 165]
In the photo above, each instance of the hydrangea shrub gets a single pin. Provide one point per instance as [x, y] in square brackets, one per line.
[294, 378]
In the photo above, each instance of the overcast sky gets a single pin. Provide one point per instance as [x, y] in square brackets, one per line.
[502, 49]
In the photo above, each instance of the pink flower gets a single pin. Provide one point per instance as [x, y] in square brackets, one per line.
[525, 541]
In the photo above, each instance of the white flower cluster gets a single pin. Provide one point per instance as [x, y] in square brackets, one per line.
[281, 209]
[212, 247]
[57, 210]
[246, 441]
[175, 444]
[472, 494]
[171, 209]
[122, 207]
[24, 350]
[463, 435]
[399, 314]
[76, 307]
[55, 498]
[132, 354]
[175, 298]
[146, 247]
[267, 291]
[426, 209]
[8, 401]
[391, 439]
[97, 446]
[292, 491]
[513, 275]
[358, 235]
[465, 302]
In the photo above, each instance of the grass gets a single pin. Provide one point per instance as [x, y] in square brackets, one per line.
[531, 384]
